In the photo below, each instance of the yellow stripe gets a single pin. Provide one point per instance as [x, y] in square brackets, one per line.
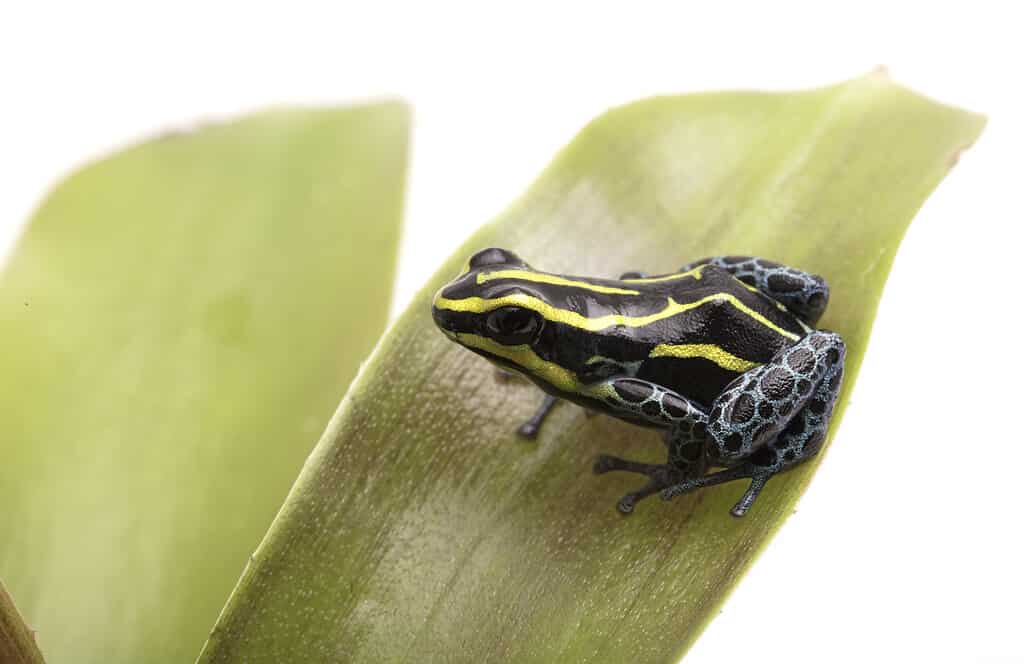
[540, 277]
[752, 289]
[481, 305]
[695, 273]
[523, 356]
[716, 354]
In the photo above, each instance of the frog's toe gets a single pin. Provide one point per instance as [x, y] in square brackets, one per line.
[629, 501]
[626, 503]
[739, 511]
[528, 430]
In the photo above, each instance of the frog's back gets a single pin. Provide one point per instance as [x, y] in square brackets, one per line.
[696, 332]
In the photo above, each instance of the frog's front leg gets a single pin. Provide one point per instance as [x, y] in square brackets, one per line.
[505, 376]
[773, 417]
[684, 420]
[804, 294]
[529, 428]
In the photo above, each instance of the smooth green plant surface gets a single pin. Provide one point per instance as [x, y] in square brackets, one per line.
[17, 644]
[422, 530]
[178, 323]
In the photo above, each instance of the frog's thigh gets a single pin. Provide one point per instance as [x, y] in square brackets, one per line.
[803, 436]
[803, 293]
[756, 407]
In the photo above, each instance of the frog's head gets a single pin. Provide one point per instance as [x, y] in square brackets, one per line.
[482, 308]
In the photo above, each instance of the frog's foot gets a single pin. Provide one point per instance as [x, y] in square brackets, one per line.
[759, 477]
[662, 476]
[633, 274]
[530, 427]
[804, 294]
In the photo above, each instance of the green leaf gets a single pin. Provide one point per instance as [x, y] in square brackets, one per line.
[17, 644]
[421, 529]
[178, 323]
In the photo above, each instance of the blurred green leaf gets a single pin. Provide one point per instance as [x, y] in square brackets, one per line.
[422, 530]
[178, 323]
[17, 644]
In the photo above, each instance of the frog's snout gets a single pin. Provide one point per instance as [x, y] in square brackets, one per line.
[443, 318]
[439, 316]
[444, 323]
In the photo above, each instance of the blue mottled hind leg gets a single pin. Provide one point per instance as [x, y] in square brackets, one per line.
[685, 437]
[773, 417]
[804, 294]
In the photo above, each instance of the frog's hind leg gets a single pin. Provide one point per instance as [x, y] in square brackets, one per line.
[774, 417]
[804, 294]
[685, 436]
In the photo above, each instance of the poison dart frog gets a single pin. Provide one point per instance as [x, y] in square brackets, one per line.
[723, 356]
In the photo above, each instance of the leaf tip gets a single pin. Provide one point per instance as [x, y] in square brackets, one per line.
[954, 157]
[880, 73]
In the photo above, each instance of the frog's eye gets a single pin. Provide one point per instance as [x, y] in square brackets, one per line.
[494, 256]
[512, 326]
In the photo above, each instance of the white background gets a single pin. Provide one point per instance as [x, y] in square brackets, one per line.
[908, 545]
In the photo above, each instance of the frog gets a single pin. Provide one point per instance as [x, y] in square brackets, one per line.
[723, 356]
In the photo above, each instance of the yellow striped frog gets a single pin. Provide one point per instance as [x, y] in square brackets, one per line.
[722, 355]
